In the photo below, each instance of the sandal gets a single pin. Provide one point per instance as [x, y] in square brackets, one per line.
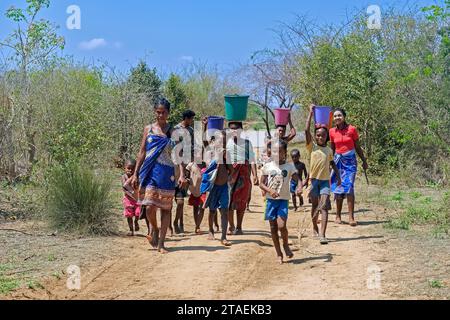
[226, 243]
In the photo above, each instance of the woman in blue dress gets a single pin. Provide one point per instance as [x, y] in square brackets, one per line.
[155, 174]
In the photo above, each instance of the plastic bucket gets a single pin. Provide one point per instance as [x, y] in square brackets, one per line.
[216, 123]
[282, 116]
[323, 116]
[236, 107]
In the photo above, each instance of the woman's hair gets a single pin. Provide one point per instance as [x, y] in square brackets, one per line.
[341, 111]
[163, 102]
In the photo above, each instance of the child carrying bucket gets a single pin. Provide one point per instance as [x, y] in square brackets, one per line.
[282, 119]
[321, 161]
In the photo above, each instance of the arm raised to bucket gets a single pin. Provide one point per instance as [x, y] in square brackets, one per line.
[308, 125]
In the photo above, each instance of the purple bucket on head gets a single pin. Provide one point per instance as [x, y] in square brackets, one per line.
[322, 116]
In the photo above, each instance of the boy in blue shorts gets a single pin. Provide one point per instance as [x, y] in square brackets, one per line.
[319, 173]
[275, 182]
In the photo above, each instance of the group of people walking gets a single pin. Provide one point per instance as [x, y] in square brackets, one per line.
[221, 171]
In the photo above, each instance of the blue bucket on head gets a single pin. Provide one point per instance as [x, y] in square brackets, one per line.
[322, 116]
[216, 123]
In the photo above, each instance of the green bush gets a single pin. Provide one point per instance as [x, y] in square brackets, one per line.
[80, 200]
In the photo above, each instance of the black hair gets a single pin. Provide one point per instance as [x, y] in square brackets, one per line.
[163, 102]
[341, 111]
[188, 114]
[238, 123]
[326, 130]
[281, 126]
[295, 152]
[130, 162]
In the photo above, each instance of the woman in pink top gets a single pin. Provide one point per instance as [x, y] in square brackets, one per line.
[345, 145]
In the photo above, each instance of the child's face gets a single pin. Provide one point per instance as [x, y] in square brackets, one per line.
[321, 137]
[189, 122]
[235, 130]
[129, 170]
[279, 154]
[281, 131]
[161, 113]
[295, 157]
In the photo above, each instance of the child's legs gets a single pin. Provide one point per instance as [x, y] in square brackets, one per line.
[201, 213]
[339, 204]
[294, 200]
[212, 216]
[130, 224]
[322, 207]
[231, 219]
[275, 237]
[179, 213]
[282, 226]
[315, 214]
[224, 217]
[216, 220]
[195, 211]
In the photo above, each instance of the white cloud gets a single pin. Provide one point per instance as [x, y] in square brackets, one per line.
[93, 44]
[187, 58]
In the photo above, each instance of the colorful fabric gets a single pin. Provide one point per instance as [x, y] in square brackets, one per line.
[321, 158]
[157, 174]
[131, 208]
[279, 178]
[209, 177]
[197, 201]
[347, 165]
[344, 139]
[241, 188]
[276, 209]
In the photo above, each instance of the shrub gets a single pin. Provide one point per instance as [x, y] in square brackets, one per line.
[80, 200]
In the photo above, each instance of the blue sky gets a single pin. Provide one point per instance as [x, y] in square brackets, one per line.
[171, 33]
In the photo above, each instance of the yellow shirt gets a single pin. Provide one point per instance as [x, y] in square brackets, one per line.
[320, 161]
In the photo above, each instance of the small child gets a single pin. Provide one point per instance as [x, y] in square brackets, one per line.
[131, 208]
[302, 178]
[321, 161]
[196, 200]
[276, 176]
[214, 188]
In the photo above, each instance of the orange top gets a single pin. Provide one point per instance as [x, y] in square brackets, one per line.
[345, 139]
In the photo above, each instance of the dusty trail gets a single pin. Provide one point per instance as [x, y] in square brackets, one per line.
[198, 268]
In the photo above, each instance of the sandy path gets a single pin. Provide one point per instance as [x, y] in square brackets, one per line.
[200, 269]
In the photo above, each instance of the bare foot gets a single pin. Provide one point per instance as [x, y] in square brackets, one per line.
[163, 250]
[230, 232]
[198, 231]
[280, 260]
[211, 236]
[338, 221]
[136, 226]
[295, 209]
[130, 234]
[353, 223]
[288, 251]
[315, 235]
[238, 232]
[226, 243]
[217, 229]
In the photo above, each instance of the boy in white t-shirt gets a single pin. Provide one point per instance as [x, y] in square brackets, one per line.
[275, 182]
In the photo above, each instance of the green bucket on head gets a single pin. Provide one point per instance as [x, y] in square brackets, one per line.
[236, 107]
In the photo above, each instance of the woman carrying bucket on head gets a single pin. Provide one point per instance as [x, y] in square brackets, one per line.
[282, 119]
[345, 145]
[242, 158]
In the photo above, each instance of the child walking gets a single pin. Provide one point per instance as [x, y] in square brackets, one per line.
[275, 182]
[131, 208]
[321, 161]
[302, 178]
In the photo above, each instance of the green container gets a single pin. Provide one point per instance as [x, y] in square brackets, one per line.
[236, 107]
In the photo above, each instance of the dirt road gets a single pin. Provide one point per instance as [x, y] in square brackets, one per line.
[198, 268]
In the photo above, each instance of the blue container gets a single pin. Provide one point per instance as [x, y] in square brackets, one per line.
[216, 123]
